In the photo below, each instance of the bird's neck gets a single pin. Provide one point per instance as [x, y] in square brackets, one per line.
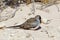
[38, 20]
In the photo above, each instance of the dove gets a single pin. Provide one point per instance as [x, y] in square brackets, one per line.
[29, 24]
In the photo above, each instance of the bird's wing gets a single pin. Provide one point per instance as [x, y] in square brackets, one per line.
[29, 23]
[31, 20]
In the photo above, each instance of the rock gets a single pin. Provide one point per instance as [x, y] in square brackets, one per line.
[45, 21]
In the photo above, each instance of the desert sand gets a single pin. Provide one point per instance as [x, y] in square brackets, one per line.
[50, 31]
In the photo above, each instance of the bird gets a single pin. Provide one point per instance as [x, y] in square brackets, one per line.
[29, 24]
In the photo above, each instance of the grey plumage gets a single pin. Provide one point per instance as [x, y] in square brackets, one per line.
[32, 23]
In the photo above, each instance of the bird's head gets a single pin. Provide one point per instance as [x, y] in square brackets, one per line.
[38, 17]
[42, 20]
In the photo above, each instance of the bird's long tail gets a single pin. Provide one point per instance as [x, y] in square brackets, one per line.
[14, 27]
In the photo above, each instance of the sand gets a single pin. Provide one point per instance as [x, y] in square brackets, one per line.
[50, 31]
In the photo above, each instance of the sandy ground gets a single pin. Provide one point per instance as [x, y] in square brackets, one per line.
[49, 31]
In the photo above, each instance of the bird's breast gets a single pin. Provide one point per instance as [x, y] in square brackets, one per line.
[34, 24]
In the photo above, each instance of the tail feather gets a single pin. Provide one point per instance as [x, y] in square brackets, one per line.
[15, 27]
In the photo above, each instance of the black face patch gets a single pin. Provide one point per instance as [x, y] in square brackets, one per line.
[40, 18]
